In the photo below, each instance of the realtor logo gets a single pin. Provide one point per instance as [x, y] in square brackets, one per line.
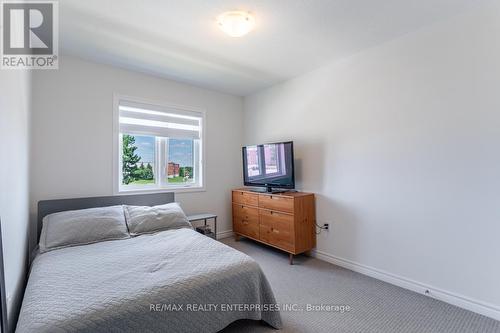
[30, 34]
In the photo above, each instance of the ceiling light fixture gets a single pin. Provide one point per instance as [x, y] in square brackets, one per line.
[236, 23]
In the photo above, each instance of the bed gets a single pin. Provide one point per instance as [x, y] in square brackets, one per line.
[170, 281]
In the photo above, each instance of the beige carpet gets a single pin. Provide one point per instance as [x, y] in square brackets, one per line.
[376, 306]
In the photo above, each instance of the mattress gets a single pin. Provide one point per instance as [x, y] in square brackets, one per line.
[171, 281]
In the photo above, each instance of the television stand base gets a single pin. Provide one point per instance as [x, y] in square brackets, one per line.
[274, 191]
[268, 190]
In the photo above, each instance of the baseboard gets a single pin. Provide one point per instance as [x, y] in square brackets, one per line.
[225, 234]
[464, 302]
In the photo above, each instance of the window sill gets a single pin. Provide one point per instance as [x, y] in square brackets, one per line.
[161, 190]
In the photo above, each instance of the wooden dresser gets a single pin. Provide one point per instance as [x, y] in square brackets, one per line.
[285, 221]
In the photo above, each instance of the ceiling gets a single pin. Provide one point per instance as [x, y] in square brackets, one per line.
[179, 40]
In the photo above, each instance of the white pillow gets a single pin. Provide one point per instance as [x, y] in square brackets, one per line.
[145, 219]
[84, 226]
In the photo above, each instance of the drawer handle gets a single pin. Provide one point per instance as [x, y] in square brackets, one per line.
[276, 231]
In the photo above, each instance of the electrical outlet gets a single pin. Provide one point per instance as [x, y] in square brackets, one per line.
[326, 226]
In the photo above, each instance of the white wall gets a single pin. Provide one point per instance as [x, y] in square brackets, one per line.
[14, 163]
[72, 133]
[401, 145]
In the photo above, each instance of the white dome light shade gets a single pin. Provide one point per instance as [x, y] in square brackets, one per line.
[236, 23]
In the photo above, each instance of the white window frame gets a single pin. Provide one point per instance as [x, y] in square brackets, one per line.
[161, 146]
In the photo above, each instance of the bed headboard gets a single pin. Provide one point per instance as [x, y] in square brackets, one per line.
[46, 207]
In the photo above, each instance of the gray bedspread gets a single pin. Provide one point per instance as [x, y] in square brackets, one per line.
[172, 281]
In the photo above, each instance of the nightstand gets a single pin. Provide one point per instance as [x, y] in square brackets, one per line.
[205, 218]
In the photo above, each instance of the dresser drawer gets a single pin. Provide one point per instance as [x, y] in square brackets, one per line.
[246, 227]
[246, 220]
[247, 212]
[275, 202]
[276, 229]
[246, 198]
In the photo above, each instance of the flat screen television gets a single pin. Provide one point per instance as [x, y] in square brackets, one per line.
[269, 166]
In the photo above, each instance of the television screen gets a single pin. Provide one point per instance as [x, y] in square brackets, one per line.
[269, 165]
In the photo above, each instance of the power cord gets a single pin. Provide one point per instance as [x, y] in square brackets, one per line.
[321, 228]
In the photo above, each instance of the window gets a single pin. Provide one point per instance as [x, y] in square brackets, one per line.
[157, 147]
[271, 159]
[180, 161]
[264, 161]
[253, 161]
